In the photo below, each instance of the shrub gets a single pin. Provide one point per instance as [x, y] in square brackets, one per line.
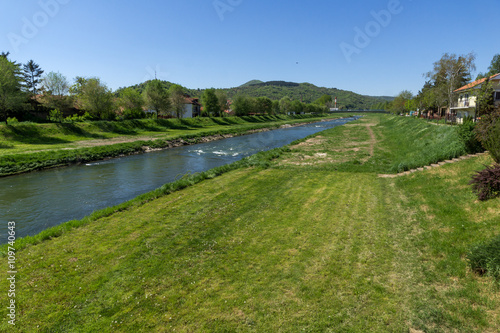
[12, 120]
[487, 132]
[468, 137]
[486, 183]
[134, 114]
[485, 258]
[55, 116]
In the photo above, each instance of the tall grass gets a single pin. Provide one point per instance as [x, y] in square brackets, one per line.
[416, 143]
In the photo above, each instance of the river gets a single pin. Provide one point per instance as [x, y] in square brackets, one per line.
[39, 200]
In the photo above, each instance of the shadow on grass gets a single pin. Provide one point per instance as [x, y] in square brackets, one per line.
[72, 129]
[30, 134]
[225, 121]
[6, 146]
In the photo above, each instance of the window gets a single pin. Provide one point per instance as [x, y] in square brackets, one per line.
[497, 95]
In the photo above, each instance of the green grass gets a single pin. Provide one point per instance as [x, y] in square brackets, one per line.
[274, 246]
[29, 147]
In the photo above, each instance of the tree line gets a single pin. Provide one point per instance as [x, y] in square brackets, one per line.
[448, 74]
[24, 88]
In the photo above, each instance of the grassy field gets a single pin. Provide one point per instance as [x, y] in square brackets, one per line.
[316, 242]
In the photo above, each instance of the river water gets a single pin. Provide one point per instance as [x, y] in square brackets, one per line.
[39, 200]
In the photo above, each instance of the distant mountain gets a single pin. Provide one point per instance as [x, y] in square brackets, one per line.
[276, 90]
[250, 83]
[307, 93]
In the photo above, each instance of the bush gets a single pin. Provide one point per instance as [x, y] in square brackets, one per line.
[492, 141]
[12, 120]
[134, 114]
[487, 132]
[55, 116]
[485, 258]
[77, 119]
[486, 183]
[468, 137]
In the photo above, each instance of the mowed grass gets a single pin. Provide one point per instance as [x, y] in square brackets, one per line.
[293, 248]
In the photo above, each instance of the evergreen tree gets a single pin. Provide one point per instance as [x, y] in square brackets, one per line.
[32, 73]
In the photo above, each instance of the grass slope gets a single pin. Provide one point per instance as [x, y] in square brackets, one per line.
[28, 147]
[293, 247]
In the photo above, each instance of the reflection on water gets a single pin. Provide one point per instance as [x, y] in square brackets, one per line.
[39, 200]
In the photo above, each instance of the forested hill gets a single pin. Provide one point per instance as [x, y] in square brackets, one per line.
[306, 92]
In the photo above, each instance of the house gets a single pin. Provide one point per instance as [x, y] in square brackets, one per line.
[465, 102]
[192, 107]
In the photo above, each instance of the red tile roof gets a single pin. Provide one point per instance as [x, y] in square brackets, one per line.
[475, 83]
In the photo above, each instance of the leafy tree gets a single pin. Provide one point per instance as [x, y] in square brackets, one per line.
[263, 105]
[276, 107]
[493, 69]
[178, 100]
[157, 97]
[450, 73]
[325, 100]
[132, 103]
[55, 83]
[400, 103]
[223, 102]
[285, 105]
[32, 74]
[297, 107]
[55, 88]
[485, 99]
[210, 102]
[97, 99]
[242, 105]
[12, 98]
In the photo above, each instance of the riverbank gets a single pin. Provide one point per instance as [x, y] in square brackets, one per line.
[30, 147]
[304, 238]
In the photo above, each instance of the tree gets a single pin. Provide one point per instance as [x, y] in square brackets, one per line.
[275, 108]
[263, 105]
[223, 102]
[157, 97]
[450, 73]
[55, 88]
[400, 103]
[32, 74]
[12, 98]
[56, 84]
[242, 105]
[285, 105]
[210, 102]
[325, 100]
[297, 107]
[493, 69]
[97, 99]
[485, 99]
[178, 100]
[132, 103]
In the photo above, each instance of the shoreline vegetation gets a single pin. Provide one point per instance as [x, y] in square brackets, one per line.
[306, 237]
[32, 147]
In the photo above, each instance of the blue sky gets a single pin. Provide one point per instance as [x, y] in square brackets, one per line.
[225, 43]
